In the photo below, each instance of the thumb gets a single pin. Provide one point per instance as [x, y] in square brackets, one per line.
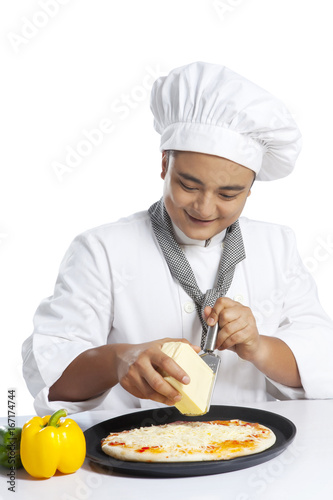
[207, 311]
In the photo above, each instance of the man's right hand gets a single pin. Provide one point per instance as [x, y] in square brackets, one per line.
[139, 368]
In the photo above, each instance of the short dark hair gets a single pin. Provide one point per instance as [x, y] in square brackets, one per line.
[173, 152]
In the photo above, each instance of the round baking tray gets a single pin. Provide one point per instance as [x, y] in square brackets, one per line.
[283, 428]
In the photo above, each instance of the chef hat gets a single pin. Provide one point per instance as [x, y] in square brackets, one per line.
[208, 108]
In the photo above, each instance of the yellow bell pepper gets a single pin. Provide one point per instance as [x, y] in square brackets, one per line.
[52, 443]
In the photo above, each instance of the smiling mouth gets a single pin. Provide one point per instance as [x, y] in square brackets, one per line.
[200, 221]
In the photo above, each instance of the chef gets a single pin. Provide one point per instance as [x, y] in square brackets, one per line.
[187, 262]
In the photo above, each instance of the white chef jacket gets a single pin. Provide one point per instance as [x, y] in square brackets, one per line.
[114, 286]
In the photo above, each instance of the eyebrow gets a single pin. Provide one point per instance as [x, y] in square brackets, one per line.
[188, 177]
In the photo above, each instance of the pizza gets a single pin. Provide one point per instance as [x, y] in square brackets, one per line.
[189, 441]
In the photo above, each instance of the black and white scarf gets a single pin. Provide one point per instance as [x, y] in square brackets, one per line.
[233, 253]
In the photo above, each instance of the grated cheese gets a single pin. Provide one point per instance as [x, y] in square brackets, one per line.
[188, 437]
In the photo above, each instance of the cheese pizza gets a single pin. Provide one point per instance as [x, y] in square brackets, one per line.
[189, 441]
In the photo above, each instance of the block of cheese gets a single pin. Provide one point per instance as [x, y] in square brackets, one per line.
[196, 394]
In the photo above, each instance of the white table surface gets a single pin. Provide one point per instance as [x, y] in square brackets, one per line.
[303, 471]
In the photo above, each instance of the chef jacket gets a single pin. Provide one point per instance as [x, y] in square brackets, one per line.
[114, 286]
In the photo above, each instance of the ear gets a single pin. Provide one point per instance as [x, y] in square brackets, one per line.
[164, 165]
[254, 178]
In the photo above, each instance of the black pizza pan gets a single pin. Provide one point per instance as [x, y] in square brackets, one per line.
[283, 428]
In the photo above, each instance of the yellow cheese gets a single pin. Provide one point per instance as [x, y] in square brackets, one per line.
[196, 394]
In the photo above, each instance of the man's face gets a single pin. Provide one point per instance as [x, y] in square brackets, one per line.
[204, 194]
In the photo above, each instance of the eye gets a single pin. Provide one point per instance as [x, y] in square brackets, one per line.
[187, 188]
[228, 196]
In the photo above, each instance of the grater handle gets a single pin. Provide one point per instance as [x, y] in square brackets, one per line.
[211, 337]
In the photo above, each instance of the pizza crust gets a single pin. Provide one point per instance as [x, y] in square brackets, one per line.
[189, 441]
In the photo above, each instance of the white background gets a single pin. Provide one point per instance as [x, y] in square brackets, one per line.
[66, 71]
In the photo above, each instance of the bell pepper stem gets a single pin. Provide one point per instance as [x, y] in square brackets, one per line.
[54, 418]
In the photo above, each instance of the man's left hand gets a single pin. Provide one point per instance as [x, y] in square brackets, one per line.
[237, 327]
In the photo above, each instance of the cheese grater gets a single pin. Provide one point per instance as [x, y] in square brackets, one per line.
[211, 359]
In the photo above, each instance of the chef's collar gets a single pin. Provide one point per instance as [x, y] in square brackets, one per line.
[182, 239]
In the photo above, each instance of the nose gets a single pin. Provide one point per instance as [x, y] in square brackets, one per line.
[204, 207]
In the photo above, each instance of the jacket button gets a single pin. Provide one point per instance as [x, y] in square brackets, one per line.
[238, 298]
[189, 307]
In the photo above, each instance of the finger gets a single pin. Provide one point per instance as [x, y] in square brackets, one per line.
[207, 311]
[145, 391]
[152, 364]
[227, 302]
[232, 334]
[229, 319]
[167, 365]
[158, 385]
[222, 304]
[196, 348]
[149, 384]
[232, 341]
[213, 317]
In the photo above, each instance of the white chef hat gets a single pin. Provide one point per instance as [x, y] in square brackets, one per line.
[207, 108]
